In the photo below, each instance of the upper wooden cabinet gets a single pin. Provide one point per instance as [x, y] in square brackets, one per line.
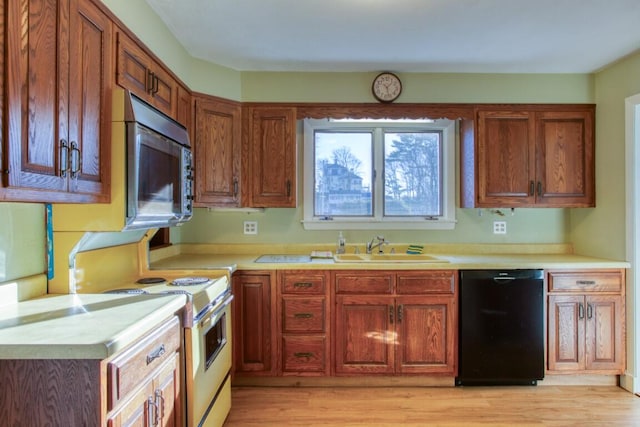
[217, 147]
[270, 147]
[529, 158]
[58, 102]
[143, 76]
[184, 109]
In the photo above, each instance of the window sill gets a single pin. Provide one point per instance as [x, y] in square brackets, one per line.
[342, 224]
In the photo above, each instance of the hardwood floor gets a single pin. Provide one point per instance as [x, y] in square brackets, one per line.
[434, 406]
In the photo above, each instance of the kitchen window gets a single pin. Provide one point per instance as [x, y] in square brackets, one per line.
[379, 174]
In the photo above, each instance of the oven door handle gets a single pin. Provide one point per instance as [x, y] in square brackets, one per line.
[211, 317]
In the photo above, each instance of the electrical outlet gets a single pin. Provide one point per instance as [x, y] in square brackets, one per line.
[251, 227]
[499, 227]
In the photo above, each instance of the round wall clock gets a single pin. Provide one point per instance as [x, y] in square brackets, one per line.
[386, 87]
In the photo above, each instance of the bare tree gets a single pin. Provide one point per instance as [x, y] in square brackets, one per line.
[344, 157]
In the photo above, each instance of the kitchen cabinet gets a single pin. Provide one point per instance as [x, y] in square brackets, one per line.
[539, 156]
[217, 147]
[139, 72]
[586, 329]
[254, 323]
[143, 382]
[303, 322]
[184, 110]
[138, 386]
[395, 323]
[270, 150]
[58, 102]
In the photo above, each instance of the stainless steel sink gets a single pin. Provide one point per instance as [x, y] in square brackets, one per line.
[387, 258]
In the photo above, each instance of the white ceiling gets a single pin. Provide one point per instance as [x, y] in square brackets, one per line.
[485, 36]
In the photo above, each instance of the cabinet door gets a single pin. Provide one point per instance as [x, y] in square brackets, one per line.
[58, 101]
[565, 176]
[217, 155]
[364, 335]
[566, 324]
[272, 151]
[604, 337]
[138, 72]
[505, 159]
[184, 110]
[37, 113]
[425, 334]
[156, 402]
[253, 323]
[90, 87]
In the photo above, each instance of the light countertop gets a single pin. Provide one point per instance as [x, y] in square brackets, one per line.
[450, 261]
[80, 326]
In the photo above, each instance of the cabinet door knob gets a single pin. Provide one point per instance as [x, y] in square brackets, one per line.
[400, 313]
[532, 188]
[580, 311]
[391, 313]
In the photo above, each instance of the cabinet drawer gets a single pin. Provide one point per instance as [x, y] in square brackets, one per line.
[128, 370]
[364, 283]
[586, 281]
[303, 283]
[427, 282]
[303, 315]
[303, 354]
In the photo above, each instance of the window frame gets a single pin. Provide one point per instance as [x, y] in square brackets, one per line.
[446, 221]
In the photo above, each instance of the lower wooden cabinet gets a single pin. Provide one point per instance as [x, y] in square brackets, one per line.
[586, 321]
[155, 402]
[303, 322]
[138, 387]
[410, 329]
[254, 323]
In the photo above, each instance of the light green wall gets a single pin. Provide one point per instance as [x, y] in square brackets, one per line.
[200, 76]
[419, 87]
[601, 231]
[278, 225]
[22, 240]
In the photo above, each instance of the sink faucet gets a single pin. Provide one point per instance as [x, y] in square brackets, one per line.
[371, 246]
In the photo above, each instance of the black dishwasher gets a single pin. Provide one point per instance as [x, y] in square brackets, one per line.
[501, 339]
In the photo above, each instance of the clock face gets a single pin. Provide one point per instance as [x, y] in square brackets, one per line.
[386, 87]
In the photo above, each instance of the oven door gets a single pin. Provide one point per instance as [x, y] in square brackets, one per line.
[208, 360]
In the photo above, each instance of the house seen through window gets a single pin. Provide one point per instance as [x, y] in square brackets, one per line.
[379, 174]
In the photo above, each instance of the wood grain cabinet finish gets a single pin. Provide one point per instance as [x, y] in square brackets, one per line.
[139, 72]
[540, 157]
[304, 322]
[409, 330]
[143, 382]
[270, 169]
[218, 149]
[586, 322]
[139, 386]
[58, 102]
[254, 330]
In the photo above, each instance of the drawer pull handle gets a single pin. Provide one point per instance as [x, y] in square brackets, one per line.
[159, 352]
[585, 282]
[303, 354]
[303, 315]
[302, 285]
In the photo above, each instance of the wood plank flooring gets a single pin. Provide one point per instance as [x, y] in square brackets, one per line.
[434, 406]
